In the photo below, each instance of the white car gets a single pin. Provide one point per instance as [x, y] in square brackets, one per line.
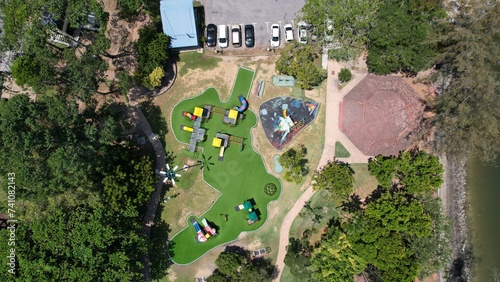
[302, 32]
[275, 35]
[223, 36]
[288, 33]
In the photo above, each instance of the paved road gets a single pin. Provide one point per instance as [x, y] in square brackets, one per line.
[332, 134]
[261, 13]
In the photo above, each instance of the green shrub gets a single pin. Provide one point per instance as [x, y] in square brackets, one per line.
[345, 75]
[270, 189]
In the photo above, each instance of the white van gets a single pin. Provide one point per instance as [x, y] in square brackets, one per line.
[236, 34]
[223, 36]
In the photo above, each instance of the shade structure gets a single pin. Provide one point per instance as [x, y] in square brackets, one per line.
[217, 142]
[380, 114]
[233, 114]
[198, 112]
[253, 216]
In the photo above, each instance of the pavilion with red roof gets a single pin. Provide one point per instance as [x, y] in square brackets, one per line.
[379, 114]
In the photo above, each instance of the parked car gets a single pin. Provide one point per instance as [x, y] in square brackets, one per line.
[275, 35]
[236, 34]
[211, 35]
[249, 35]
[288, 33]
[302, 32]
[223, 36]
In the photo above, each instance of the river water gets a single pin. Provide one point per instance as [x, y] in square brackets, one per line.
[484, 213]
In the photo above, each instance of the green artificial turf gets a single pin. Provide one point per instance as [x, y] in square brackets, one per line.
[239, 177]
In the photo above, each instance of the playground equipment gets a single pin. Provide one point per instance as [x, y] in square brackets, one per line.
[230, 116]
[208, 228]
[260, 87]
[252, 214]
[200, 236]
[311, 106]
[221, 141]
[189, 115]
[244, 104]
[283, 80]
[197, 133]
[169, 174]
[284, 124]
[187, 128]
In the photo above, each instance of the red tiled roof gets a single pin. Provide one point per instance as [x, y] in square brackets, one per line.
[379, 113]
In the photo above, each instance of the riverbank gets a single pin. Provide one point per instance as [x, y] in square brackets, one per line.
[454, 196]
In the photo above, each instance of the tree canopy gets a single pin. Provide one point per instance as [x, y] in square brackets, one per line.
[298, 60]
[236, 265]
[295, 164]
[468, 116]
[81, 189]
[298, 257]
[415, 171]
[336, 177]
[350, 21]
[153, 51]
[397, 233]
[399, 40]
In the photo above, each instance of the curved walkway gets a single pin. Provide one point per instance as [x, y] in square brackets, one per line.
[139, 118]
[332, 134]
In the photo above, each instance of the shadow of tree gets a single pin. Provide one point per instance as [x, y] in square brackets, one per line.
[160, 249]
[156, 119]
[353, 204]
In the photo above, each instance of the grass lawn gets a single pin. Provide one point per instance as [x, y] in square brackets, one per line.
[341, 151]
[195, 60]
[239, 177]
[305, 221]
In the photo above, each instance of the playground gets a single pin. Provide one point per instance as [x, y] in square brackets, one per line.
[220, 132]
[284, 117]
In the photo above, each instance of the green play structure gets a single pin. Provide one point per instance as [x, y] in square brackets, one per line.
[239, 176]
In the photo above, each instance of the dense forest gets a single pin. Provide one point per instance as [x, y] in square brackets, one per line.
[77, 181]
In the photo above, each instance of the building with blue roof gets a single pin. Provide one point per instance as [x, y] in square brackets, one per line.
[179, 22]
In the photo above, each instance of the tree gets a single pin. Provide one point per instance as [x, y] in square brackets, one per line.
[156, 76]
[35, 71]
[397, 234]
[345, 75]
[293, 160]
[298, 257]
[152, 49]
[398, 40]
[131, 185]
[414, 171]
[130, 9]
[467, 110]
[236, 265]
[351, 21]
[433, 252]
[336, 177]
[61, 242]
[335, 259]
[298, 60]
[125, 82]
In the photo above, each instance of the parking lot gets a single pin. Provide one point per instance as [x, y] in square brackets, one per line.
[261, 13]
